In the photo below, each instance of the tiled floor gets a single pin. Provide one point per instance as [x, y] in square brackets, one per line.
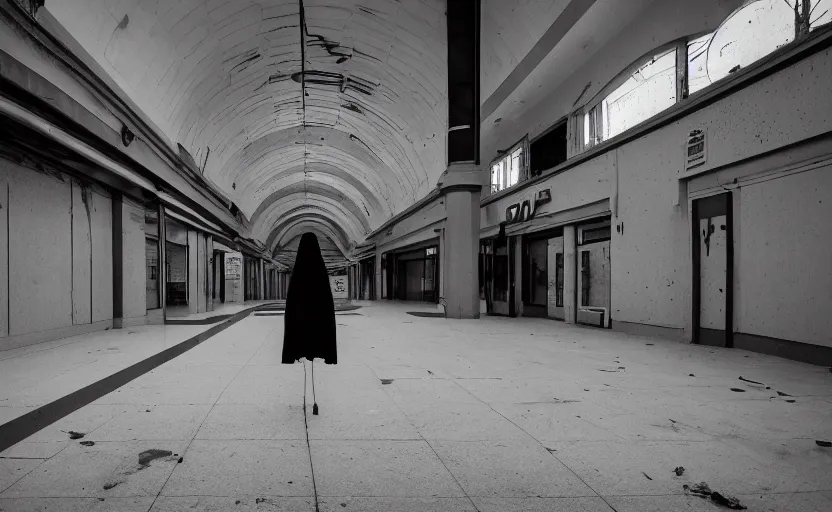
[494, 415]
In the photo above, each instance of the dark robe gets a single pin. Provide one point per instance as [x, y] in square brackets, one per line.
[309, 322]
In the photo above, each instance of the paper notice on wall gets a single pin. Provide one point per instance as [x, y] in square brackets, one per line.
[233, 266]
[338, 284]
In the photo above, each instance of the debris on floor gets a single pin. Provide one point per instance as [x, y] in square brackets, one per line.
[646, 475]
[825, 444]
[559, 401]
[386, 381]
[679, 471]
[87, 443]
[751, 381]
[737, 390]
[691, 375]
[704, 491]
[430, 372]
[110, 485]
[148, 456]
[783, 394]
[790, 401]
[74, 435]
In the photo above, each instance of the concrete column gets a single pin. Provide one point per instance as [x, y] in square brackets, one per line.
[193, 271]
[118, 261]
[461, 183]
[461, 239]
[443, 263]
[378, 275]
[209, 273]
[163, 277]
[517, 289]
[570, 274]
[260, 280]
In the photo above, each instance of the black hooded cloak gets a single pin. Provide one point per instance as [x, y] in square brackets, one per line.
[309, 327]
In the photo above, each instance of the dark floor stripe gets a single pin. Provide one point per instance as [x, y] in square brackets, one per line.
[24, 426]
[200, 321]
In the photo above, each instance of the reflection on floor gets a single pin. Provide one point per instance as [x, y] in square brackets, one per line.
[495, 414]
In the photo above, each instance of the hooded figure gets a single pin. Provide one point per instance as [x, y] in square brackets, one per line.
[309, 322]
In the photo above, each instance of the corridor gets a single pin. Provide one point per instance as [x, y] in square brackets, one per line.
[430, 414]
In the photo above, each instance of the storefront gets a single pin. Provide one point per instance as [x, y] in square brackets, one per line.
[533, 272]
[412, 275]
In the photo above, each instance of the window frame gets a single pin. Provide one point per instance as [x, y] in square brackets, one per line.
[523, 171]
[594, 110]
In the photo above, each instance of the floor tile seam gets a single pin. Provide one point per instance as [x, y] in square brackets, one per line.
[412, 425]
[542, 446]
[27, 473]
[208, 413]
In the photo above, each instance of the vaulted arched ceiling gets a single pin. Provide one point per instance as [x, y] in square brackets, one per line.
[318, 109]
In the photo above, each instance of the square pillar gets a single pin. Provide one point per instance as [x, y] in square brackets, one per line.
[570, 274]
[193, 271]
[517, 288]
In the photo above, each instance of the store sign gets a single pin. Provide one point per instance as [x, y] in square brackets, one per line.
[233, 266]
[525, 209]
[338, 284]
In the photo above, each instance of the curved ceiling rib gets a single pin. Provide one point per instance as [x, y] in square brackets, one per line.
[286, 231]
[226, 79]
[299, 203]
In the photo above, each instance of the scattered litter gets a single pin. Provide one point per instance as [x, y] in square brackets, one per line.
[430, 372]
[110, 485]
[180, 460]
[386, 381]
[737, 390]
[783, 394]
[751, 381]
[559, 401]
[550, 450]
[237, 502]
[87, 443]
[649, 344]
[75, 435]
[586, 389]
[290, 481]
[679, 471]
[672, 420]
[768, 387]
[703, 491]
[646, 475]
[147, 410]
[611, 371]
[790, 401]
[621, 368]
[343, 504]
[691, 375]
[825, 444]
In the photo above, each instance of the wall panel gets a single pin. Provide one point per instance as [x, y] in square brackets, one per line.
[40, 249]
[784, 261]
[81, 254]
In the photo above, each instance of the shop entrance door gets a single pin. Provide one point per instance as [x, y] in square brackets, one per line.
[713, 263]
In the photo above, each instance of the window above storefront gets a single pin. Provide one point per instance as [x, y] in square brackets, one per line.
[655, 82]
[511, 168]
